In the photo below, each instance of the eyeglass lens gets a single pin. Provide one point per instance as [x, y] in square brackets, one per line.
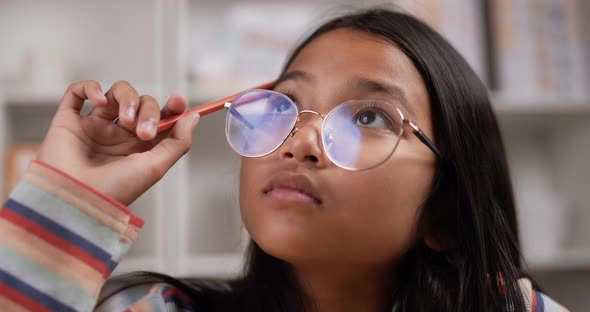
[357, 134]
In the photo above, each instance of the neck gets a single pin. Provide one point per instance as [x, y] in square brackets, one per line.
[350, 287]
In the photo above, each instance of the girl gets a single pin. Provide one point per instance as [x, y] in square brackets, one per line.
[373, 178]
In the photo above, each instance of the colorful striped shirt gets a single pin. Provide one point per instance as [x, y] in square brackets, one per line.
[60, 240]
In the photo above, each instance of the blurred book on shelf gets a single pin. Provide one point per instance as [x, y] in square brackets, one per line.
[539, 48]
[16, 161]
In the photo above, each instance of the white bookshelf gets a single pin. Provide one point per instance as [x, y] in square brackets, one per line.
[506, 106]
[573, 260]
[193, 225]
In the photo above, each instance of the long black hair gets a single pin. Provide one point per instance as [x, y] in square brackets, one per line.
[470, 213]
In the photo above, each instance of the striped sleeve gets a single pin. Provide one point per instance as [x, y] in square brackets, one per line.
[59, 241]
[160, 297]
[536, 301]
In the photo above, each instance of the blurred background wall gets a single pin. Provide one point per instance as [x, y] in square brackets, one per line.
[533, 55]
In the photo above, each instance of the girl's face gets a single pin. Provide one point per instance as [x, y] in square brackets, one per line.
[300, 207]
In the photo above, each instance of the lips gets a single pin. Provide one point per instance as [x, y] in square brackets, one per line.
[292, 187]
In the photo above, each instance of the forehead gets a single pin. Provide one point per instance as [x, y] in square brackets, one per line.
[340, 56]
[361, 50]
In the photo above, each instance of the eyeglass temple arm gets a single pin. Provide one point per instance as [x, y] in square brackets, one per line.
[424, 139]
[208, 108]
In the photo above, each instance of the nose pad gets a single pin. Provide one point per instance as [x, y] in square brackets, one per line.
[295, 130]
[307, 122]
[307, 146]
[328, 136]
[300, 121]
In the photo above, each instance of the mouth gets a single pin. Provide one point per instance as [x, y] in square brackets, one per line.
[287, 187]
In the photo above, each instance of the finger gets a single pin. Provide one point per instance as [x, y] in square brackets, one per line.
[176, 104]
[80, 91]
[147, 118]
[178, 142]
[123, 101]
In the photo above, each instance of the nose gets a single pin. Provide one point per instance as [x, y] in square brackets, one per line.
[304, 143]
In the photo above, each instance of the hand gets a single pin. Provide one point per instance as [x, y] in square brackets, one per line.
[120, 160]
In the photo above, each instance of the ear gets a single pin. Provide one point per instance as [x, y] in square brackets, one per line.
[433, 243]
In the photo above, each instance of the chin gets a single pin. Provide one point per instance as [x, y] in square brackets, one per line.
[289, 245]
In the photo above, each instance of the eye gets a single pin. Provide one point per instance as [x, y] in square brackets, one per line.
[280, 103]
[282, 106]
[373, 118]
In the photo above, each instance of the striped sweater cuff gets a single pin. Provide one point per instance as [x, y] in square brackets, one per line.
[59, 241]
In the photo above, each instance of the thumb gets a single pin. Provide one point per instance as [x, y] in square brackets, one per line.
[178, 142]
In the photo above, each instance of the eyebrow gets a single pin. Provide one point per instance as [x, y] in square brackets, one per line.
[295, 75]
[391, 90]
[362, 83]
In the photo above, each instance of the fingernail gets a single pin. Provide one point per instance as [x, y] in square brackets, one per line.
[196, 118]
[100, 95]
[149, 126]
[131, 112]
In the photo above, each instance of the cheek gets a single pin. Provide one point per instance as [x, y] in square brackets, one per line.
[247, 192]
[259, 221]
[379, 212]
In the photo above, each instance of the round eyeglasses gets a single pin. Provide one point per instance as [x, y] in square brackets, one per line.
[358, 134]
